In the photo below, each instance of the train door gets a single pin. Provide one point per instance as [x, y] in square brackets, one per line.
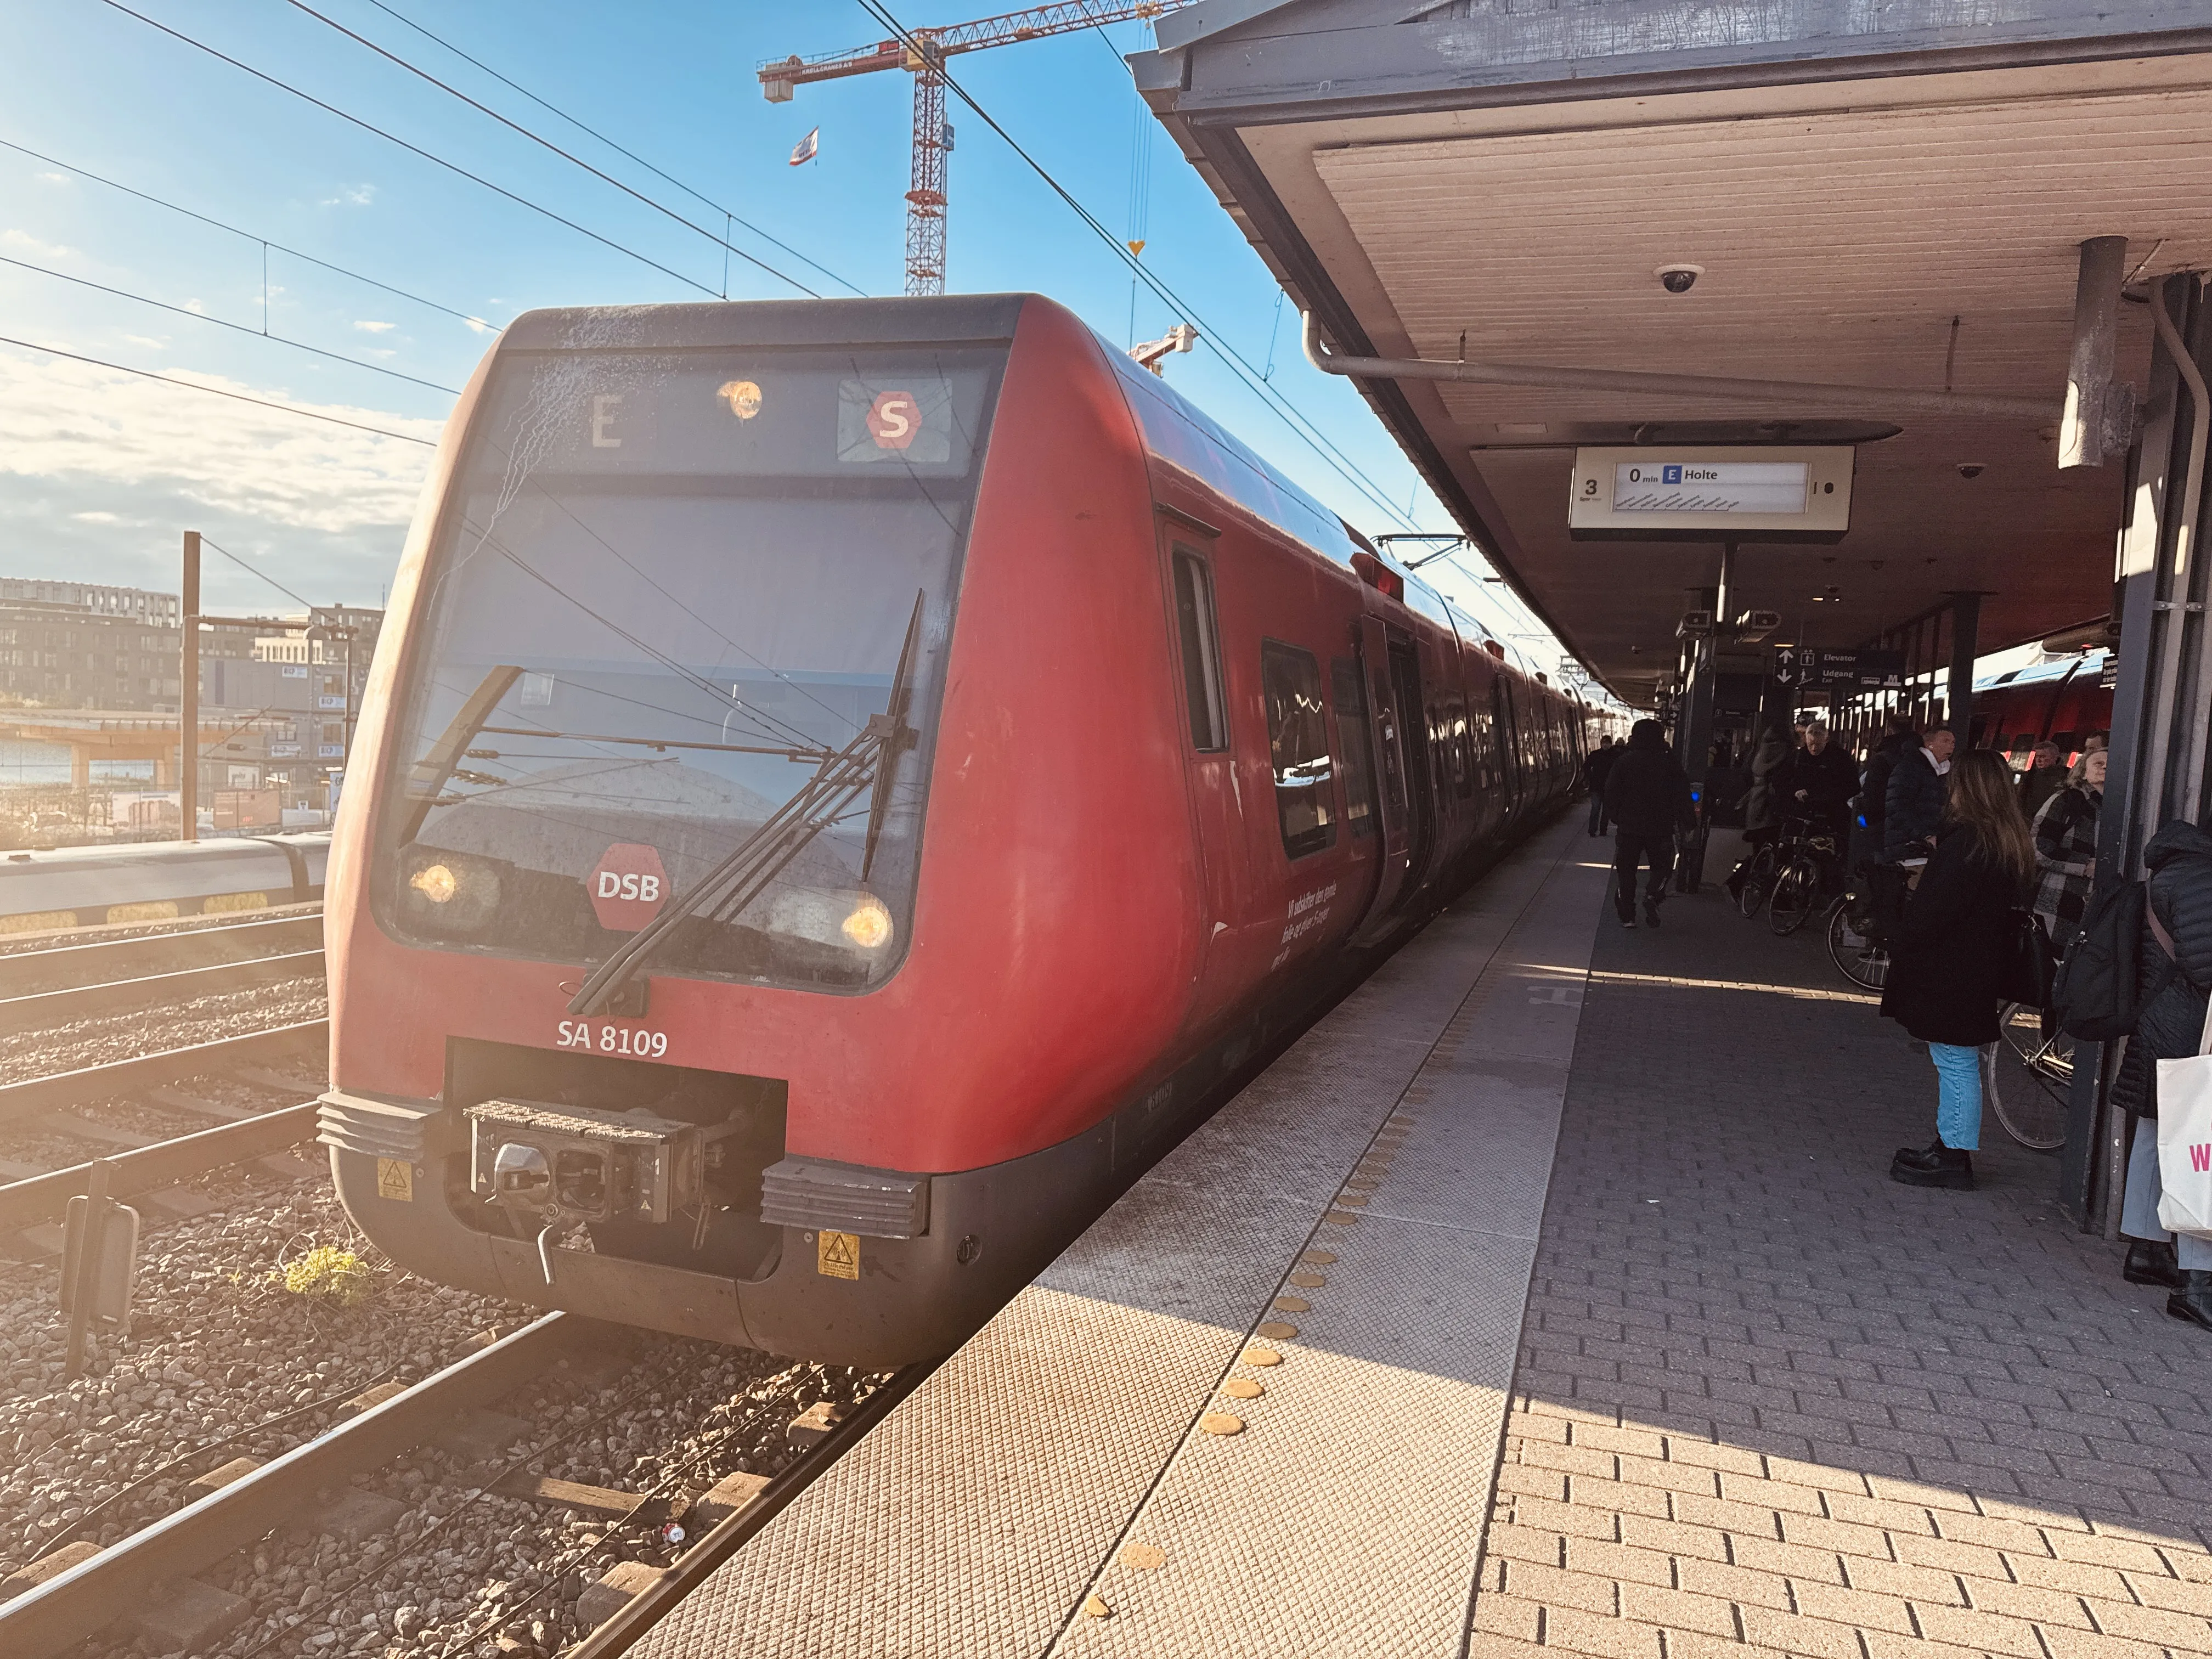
[1508, 742]
[1226, 875]
[1396, 772]
[1420, 767]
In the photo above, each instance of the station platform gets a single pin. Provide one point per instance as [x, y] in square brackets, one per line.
[1549, 1294]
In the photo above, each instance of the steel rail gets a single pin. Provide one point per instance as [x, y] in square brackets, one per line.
[693, 1568]
[39, 1010]
[46, 1197]
[51, 1620]
[121, 1077]
[156, 953]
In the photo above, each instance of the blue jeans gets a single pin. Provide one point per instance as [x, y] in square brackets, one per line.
[1958, 1096]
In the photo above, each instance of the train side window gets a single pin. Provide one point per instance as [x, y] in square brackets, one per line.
[1201, 652]
[1297, 745]
[1352, 746]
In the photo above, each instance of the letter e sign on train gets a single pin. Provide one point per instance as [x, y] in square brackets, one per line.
[627, 886]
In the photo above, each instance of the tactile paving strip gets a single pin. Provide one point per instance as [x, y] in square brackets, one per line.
[977, 1518]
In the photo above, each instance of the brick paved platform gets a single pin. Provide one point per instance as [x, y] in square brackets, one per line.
[1769, 1401]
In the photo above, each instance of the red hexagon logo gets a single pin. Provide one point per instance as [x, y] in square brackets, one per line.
[894, 419]
[627, 886]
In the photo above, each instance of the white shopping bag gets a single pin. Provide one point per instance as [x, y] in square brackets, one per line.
[2185, 1140]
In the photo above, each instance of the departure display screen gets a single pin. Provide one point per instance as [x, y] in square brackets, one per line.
[1709, 486]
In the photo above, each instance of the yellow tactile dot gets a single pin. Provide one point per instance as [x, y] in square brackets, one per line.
[1319, 1258]
[1221, 1423]
[1275, 1331]
[1309, 1281]
[1097, 1608]
[1144, 1557]
[1362, 1184]
[1358, 1200]
[1262, 1358]
[1400, 1124]
[1291, 1304]
[1341, 1219]
[1242, 1388]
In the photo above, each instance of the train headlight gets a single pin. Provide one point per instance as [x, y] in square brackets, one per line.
[436, 882]
[449, 893]
[869, 924]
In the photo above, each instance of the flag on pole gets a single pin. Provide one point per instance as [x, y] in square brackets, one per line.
[808, 147]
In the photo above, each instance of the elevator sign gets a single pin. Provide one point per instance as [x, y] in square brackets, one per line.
[1663, 492]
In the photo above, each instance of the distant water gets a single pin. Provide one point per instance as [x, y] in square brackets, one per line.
[32, 763]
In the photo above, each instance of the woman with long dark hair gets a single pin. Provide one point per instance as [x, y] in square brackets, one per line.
[1950, 950]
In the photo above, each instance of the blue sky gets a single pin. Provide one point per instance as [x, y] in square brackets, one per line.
[100, 472]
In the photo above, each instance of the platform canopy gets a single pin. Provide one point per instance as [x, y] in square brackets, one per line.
[1891, 197]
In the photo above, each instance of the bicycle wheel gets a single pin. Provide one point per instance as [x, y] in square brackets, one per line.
[2028, 1077]
[1756, 881]
[1857, 957]
[1797, 890]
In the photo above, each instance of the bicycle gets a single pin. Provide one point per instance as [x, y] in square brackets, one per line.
[1800, 882]
[1859, 956]
[1754, 876]
[2028, 1075]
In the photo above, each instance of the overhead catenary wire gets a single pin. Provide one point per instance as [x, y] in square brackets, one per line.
[619, 149]
[218, 391]
[222, 322]
[267, 243]
[1336, 459]
[208, 540]
[430, 156]
[573, 160]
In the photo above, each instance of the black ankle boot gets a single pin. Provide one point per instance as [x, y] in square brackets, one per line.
[2193, 1300]
[1918, 1157]
[2150, 1261]
[1947, 1166]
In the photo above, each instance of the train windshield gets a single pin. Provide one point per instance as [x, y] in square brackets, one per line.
[670, 590]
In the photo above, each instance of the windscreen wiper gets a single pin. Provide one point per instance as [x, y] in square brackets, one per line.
[426, 781]
[863, 765]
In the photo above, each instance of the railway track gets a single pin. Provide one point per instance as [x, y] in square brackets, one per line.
[147, 955]
[148, 1578]
[143, 1165]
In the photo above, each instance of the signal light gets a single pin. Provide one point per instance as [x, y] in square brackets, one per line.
[435, 882]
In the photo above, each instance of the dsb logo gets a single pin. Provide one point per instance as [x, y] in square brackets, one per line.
[626, 886]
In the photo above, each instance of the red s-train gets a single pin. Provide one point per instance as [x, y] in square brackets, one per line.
[841, 783]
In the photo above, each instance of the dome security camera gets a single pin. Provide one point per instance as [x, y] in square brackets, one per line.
[1970, 469]
[1679, 278]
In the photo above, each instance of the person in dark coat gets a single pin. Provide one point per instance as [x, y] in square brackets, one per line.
[1647, 795]
[1817, 782]
[1898, 739]
[1912, 810]
[2044, 777]
[1761, 813]
[1596, 765]
[1948, 952]
[2169, 1027]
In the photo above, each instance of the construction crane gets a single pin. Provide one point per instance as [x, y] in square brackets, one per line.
[924, 58]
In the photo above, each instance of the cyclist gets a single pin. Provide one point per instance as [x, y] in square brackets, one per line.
[1819, 781]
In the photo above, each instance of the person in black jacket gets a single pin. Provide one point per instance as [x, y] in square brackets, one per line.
[1898, 739]
[1913, 808]
[1817, 782]
[1647, 795]
[1949, 952]
[2169, 1027]
[1596, 766]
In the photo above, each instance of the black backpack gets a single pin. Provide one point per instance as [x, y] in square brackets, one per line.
[2099, 991]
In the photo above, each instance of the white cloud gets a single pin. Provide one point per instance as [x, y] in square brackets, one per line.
[152, 342]
[53, 178]
[367, 327]
[96, 447]
[195, 307]
[352, 196]
[31, 244]
[478, 325]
